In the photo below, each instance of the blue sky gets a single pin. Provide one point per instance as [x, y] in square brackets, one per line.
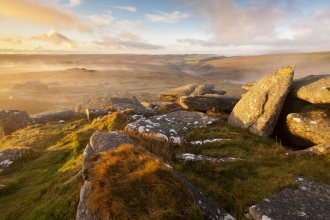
[224, 27]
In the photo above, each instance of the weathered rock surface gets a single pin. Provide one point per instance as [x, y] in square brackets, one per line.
[205, 103]
[310, 201]
[311, 126]
[314, 89]
[247, 86]
[12, 120]
[171, 126]
[46, 117]
[9, 156]
[82, 211]
[169, 106]
[321, 149]
[260, 107]
[210, 209]
[196, 158]
[138, 109]
[95, 113]
[102, 142]
[174, 94]
[103, 103]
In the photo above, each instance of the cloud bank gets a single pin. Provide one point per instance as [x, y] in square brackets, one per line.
[42, 14]
[127, 8]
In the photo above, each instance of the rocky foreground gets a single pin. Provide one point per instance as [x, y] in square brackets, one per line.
[297, 111]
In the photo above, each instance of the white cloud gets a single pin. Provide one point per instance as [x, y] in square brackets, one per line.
[128, 24]
[101, 20]
[55, 37]
[165, 17]
[125, 41]
[127, 8]
[73, 3]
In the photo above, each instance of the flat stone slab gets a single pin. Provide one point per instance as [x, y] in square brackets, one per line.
[95, 113]
[201, 142]
[310, 201]
[196, 158]
[9, 156]
[171, 126]
[314, 89]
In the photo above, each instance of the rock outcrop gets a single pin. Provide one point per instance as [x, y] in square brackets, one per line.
[208, 102]
[247, 86]
[314, 89]
[55, 116]
[171, 126]
[310, 201]
[311, 126]
[320, 149]
[260, 107]
[9, 156]
[95, 113]
[102, 142]
[103, 103]
[12, 120]
[138, 109]
[173, 95]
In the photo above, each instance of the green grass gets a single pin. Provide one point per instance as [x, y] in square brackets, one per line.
[263, 169]
[45, 184]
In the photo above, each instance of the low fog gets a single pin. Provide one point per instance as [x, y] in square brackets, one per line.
[37, 83]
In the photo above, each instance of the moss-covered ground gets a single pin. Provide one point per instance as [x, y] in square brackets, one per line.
[46, 183]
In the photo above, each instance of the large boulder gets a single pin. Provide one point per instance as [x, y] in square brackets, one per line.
[102, 142]
[260, 107]
[174, 94]
[55, 116]
[170, 127]
[103, 103]
[209, 102]
[310, 201]
[314, 89]
[310, 126]
[9, 156]
[12, 120]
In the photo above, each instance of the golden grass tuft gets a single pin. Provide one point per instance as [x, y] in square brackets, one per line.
[129, 183]
[114, 122]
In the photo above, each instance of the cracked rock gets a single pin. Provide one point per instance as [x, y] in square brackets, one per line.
[261, 106]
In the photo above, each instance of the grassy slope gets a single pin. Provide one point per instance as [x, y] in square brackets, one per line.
[44, 186]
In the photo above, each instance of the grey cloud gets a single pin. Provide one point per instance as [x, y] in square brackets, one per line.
[13, 39]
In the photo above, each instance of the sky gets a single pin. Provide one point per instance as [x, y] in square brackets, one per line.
[222, 27]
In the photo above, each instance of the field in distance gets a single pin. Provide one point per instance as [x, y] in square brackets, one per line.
[37, 83]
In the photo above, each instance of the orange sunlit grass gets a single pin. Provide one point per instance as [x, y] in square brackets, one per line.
[129, 183]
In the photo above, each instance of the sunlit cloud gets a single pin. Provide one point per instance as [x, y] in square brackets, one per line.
[12, 39]
[127, 8]
[74, 3]
[55, 37]
[165, 17]
[125, 41]
[42, 14]
[101, 20]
